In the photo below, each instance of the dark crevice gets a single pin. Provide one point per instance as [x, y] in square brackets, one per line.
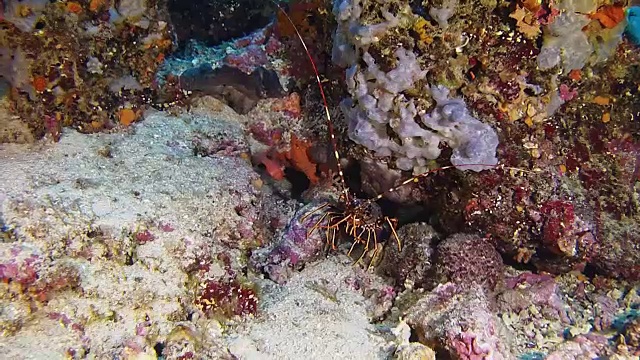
[299, 182]
[158, 347]
[511, 262]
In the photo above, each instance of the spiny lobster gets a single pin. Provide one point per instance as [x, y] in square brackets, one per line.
[361, 219]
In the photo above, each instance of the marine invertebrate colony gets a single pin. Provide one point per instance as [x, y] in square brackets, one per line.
[81, 65]
[383, 99]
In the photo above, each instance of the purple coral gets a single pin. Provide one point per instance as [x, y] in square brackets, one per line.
[22, 269]
[466, 346]
[249, 59]
[35, 278]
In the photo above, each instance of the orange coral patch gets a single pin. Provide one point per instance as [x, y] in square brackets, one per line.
[609, 15]
[532, 5]
[95, 5]
[300, 159]
[97, 125]
[127, 116]
[602, 100]
[74, 7]
[575, 75]
[273, 168]
[39, 83]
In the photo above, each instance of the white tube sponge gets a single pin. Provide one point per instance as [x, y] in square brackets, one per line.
[400, 79]
[351, 35]
[443, 14]
[23, 14]
[378, 106]
[473, 142]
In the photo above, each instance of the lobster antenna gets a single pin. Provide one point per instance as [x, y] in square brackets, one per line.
[334, 142]
[426, 173]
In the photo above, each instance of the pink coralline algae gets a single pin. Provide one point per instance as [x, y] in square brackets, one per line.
[545, 16]
[144, 236]
[273, 46]
[295, 247]
[252, 51]
[529, 289]
[36, 279]
[248, 59]
[567, 93]
[466, 259]
[466, 346]
[20, 270]
[266, 136]
[563, 233]
[165, 227]
[461, 322]
[227, 298]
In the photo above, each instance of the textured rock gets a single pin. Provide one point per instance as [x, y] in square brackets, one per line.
[466, 259]
[460, 321]
[412, 264]
[239, 90]
[295, 247]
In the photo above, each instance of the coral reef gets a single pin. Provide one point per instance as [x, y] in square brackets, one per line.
[201, 232]
[460, 323]
[561, 129]
[82, 65]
